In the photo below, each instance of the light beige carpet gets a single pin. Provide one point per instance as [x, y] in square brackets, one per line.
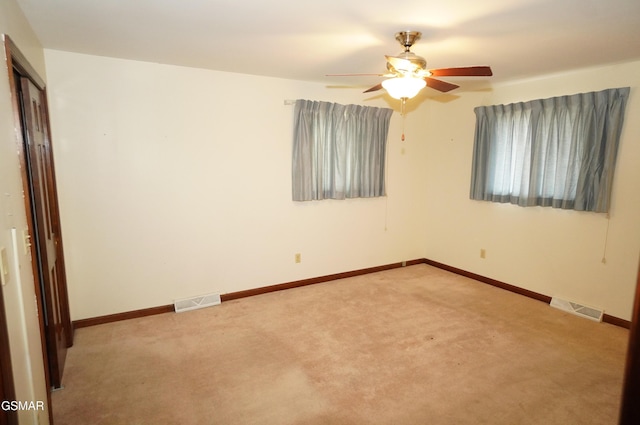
[415, 345]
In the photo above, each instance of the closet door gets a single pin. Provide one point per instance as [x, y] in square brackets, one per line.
[45, 228]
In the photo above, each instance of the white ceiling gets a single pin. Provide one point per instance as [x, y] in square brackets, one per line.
[304, 39]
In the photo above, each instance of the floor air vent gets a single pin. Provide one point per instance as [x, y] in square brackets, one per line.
[196, 302]
[577, 309]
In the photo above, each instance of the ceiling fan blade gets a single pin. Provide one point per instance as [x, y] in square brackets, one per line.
[469, 71]
[442, 86]
[374, 88]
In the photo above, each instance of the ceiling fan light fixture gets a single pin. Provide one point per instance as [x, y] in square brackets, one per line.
[404, 87]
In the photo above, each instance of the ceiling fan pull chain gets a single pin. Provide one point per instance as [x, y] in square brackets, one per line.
[404, 117]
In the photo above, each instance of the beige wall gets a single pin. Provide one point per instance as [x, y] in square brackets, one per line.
[550, 251]
[19, 293]
[175, 182]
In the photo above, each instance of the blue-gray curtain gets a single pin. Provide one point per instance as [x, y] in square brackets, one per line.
[338, 150]
[559, 152]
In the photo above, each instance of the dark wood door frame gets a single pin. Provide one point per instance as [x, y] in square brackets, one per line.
[630, 408]
[16, 61]
[19, 67]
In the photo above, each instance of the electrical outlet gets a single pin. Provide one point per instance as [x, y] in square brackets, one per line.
[298, 258]
[483, 253]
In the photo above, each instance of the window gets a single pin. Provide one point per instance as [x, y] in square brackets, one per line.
[338, 150]
[559, 152]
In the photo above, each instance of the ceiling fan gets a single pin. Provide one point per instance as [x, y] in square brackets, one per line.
[407, 72]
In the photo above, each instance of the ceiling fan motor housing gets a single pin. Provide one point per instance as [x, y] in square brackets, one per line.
[413, 62]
